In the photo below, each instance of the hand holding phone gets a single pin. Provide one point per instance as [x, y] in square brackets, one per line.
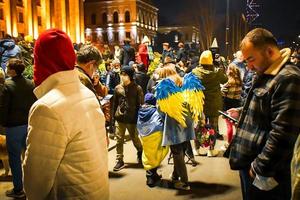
[228, 117]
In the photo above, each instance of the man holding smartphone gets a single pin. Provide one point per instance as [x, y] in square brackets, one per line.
[269, 122]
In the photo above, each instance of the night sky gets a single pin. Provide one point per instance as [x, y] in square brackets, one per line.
[282, 18]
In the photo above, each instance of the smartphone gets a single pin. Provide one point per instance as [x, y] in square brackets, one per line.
[228, 117]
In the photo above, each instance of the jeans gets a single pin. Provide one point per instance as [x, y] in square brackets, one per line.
[178, 151]
[250, 192]
[16, 143]
[120, 133]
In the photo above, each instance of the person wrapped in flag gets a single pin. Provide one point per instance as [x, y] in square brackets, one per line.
[181, 103]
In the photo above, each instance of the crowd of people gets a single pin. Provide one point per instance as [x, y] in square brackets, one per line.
[61, 102]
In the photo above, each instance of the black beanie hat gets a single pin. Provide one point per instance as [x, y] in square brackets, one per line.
[128, 70]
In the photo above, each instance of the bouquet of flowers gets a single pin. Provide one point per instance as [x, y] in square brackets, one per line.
[206, 135]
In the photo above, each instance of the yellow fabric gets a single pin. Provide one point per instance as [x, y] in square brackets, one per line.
[196, 101]
[206, 58]
[153, 152]
[173, 106]
[28, 38]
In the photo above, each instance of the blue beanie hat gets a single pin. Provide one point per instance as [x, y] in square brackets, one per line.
[150, 99]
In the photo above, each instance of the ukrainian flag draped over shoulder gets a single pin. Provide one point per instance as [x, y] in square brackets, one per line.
[171, 98]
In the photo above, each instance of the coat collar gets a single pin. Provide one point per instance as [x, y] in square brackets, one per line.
[53, 81]
[279, 63]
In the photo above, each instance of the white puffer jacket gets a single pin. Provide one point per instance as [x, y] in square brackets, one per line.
[66, 156]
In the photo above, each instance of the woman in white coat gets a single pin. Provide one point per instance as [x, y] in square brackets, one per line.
[66, 156]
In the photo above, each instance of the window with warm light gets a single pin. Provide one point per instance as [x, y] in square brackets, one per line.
[39, 20]
[19, 3]
[104, 18]
[116, 17]
[116, 36]
[21, 17]
[1, 14]
[93, 19]
[127, 16]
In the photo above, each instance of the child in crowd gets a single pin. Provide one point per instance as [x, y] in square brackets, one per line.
[150, 127]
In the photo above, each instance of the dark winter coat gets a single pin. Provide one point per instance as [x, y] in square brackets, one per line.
[15, 101]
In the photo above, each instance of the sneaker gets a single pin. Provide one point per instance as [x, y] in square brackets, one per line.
[212, 153]
[120, 165]
[182, 186]
[224, 147]
[173, 178]
[153, 180]
[202, 151]
[194, 162]
[12, 193]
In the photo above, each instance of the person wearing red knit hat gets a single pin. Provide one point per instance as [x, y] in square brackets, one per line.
[66, 156]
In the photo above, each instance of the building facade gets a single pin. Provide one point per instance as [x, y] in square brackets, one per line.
[31, 17]
[111, 21]
[186, 34]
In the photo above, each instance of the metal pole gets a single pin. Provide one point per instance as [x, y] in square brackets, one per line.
[227, 29]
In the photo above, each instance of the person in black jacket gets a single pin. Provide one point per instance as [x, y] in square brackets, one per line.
[127, 100]
[127, 53]
[141, 77]
[15, 101]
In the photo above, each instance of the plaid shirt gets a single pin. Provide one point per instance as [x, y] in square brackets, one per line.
[269, 123]
[232, 90]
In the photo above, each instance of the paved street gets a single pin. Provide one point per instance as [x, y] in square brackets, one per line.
[211, 179]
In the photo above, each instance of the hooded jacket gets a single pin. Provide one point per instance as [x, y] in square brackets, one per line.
[211, 79]
[66, 156]
[149, 121]
[8, 50]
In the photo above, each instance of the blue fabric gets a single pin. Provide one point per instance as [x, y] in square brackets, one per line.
[174, 133]
[16, 143]
[149, 121]
[166, 88]
[9, 50]
[191, 82]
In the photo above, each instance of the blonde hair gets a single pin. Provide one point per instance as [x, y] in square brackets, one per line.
[170, 72]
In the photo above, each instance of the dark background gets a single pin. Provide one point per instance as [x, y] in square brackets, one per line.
[282, 18]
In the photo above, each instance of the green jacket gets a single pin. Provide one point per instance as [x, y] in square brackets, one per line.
[211, 79]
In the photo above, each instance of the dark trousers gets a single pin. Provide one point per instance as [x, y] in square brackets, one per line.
[16, 143]
[250, 192]
[178, 151]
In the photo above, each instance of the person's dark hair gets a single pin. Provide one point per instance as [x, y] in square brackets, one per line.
[141, 67]
[17, 65]
[127, 41]
[88, 53]
[260, 38]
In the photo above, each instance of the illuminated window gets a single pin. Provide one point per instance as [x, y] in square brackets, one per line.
[21, 18]
[105, 37]
[116, 17]
[104, 18]
[127, 16]
[93, 19]
[39, 20]
[19, 3]
[128, 35]
[116, 36]
[1, 14]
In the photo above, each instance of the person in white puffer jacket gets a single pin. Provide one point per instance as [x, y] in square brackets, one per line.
[66, 156]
